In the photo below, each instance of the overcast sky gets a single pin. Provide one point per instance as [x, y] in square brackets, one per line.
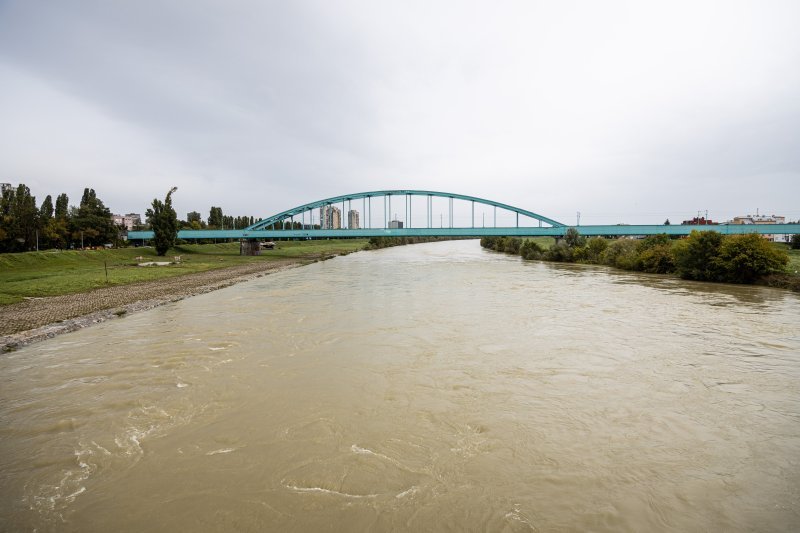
[625, 111]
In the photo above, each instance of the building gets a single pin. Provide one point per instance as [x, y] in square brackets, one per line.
[396, 224]
[353, 219]
[128, 221]
[699, 221]
[762, 219]
[330, 217]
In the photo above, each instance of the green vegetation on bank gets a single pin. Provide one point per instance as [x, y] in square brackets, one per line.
[703, 256]
[52, 273]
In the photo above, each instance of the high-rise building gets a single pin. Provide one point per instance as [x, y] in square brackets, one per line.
[129, 221]
[330, 217]
[353, 219]
[396, 224]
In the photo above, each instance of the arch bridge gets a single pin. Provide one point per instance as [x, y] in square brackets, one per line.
[457, 218]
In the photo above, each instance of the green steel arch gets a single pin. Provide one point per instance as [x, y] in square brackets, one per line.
[267, 222]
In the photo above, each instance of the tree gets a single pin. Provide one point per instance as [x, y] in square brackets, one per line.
[795, 242]
[20, 219]
[164, 222]
[6, 219]
[57, 229]
[62, 206]
[573, 238]
[45, 224]
[215, 219]
[666, 222]
[91, 222]
[46, 209]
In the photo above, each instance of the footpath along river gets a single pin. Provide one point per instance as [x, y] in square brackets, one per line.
[435, 387]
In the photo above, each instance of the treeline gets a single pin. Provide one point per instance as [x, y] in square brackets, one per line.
[703, 256]
[216, 220]
[24, 226]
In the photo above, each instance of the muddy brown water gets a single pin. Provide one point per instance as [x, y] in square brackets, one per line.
[435, 387]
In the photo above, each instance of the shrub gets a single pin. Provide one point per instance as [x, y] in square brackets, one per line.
[696, 257]
[655, 254]
[488, 242]
[531, 250]
[746, 258]
[595, 247]
[621, 253]
[573, 238]
[559, 252]
[511, 245]
[656, 259]
[795, 242]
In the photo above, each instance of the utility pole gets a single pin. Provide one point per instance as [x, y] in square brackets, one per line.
[579, 219]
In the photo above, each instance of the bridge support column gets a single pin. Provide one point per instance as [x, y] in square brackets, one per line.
[249, 247]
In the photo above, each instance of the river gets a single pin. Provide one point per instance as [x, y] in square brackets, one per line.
[435, 387]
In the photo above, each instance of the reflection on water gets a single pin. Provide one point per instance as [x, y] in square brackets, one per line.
[427, 388]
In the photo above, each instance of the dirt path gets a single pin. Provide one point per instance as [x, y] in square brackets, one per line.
[40, 318]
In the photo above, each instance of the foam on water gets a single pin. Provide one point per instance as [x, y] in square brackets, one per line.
[220, 451]
[328, 491]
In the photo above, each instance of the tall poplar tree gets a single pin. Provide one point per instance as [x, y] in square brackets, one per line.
[164, 221]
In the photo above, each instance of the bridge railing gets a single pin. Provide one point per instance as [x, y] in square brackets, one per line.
[600, 230]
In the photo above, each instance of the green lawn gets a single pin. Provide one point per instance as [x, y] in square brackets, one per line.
[52, 273]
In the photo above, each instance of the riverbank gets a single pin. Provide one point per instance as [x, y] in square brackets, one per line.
[33, 318]
[702, 256]
[37, 319]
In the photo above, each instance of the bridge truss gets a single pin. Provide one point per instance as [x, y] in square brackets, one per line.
[302, 224]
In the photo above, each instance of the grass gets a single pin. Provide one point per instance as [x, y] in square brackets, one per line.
[52, 273]
[794, 261]
[544, 242]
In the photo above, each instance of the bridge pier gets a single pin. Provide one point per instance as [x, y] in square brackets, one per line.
[249, 247]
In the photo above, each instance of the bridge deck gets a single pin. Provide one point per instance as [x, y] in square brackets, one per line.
[613, 231]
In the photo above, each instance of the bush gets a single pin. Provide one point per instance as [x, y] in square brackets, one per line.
[795, 242]
[531, 250]
[559, 252]
[511, 245]
[656, 259]
[488, 242]
[696, 257]
[746, 258]
[595, 247]
[573, 238]
[655, 255]
[621, 253]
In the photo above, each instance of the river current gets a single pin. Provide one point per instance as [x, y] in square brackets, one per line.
[435, 387]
